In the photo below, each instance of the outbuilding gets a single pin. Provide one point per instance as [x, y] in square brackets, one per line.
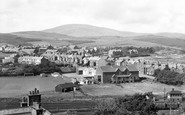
[66, 87]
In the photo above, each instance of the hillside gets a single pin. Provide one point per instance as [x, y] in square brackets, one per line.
[82, 30]
[87, 35]
[15, 40]
[42, 35]
[167, 41]
[172, 35]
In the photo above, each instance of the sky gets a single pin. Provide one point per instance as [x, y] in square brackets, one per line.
[142, 16]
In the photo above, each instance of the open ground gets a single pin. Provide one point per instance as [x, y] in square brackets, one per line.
[16, 86]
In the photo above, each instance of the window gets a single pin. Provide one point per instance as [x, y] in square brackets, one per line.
[99, 78]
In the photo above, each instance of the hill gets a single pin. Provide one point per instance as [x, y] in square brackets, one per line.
[15, 40]
[42, 35]
[163, 40]
[88, 35]
[83, 30]
[172, 35]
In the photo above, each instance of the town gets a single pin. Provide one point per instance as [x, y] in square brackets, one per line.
[153, 74]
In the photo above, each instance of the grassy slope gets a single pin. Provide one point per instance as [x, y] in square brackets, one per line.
[15, 40]
[174, 42]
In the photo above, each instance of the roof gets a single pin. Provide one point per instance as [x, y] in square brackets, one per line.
[174, 92]
[119, 60]
[107, 69]
[94, 58]
[122, 68]
[66, 85]
[132, 68]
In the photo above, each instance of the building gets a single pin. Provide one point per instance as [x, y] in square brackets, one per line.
[30, 105]
[174, 95]
[30, 60]
[117, 74]
[10, 49]
[97, 61]
[52, 55]
[66, 87]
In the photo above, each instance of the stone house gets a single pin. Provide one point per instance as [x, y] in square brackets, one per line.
[117, 74]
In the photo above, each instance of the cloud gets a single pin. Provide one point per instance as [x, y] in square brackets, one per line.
[125, 15]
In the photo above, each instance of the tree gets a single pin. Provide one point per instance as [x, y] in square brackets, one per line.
[36, 51]
[50, 47]
[105, 106]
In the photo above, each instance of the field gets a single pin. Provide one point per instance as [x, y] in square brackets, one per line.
[129, 88]
[14, 86]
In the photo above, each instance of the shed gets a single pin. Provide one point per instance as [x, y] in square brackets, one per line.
[66, 87]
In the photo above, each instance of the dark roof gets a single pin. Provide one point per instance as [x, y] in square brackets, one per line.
[107, 69]
[174, 92]
[121, 68]
[66, 85]
[132, 68]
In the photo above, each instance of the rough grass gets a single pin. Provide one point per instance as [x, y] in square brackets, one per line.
[129, 88]
[14, 86]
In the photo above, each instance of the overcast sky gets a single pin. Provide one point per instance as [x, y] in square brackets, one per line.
[125, 15]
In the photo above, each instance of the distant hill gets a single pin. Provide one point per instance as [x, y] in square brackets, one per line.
[88, 35]
[83, 30]
[15, 40]
[172, 35]
[167, 41]
[42, 35]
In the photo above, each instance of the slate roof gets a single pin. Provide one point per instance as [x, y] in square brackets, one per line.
[132, 68]
[66, 85]
[122, 68]
[174, 92]
[107, 69]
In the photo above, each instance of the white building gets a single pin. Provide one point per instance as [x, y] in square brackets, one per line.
[30, 60]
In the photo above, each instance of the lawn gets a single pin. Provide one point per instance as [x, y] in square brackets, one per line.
[14, 86]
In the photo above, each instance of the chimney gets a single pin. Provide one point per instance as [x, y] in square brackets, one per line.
[172, 89]
[35, 90]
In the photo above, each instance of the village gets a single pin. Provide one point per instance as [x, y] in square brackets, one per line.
[81, 69]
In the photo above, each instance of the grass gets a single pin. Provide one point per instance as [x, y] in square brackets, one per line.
[15, 86]
[129, 88]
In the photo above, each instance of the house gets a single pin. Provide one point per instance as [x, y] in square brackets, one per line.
[8, 59]
[11, 49]
[28, 51]
[117, 74]
[174, 95]
[86, 71]
[97, 61]
[52, 55]
[30, 105]
[30, 60]
[170, 101]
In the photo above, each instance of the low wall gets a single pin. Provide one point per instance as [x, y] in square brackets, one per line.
[16, 111]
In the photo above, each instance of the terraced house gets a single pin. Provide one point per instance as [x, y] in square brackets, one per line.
[117, 74]
[52, 55]
[30, 60]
